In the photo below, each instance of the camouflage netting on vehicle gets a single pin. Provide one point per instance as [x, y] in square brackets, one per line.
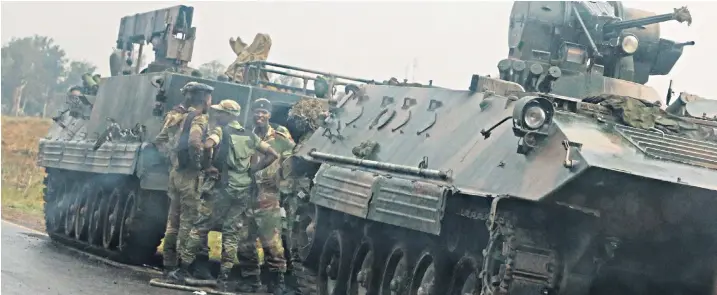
[258, 50]
[307, 114]
[638, 113]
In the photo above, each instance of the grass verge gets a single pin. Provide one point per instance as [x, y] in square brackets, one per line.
[21, 179]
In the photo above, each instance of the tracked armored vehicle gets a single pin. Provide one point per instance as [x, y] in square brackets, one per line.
[561, 176]
[106, 182]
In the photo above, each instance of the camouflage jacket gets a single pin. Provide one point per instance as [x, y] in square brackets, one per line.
[197, 132]
[244, 145]
[167, 135]
[171, 125]
[279, 138]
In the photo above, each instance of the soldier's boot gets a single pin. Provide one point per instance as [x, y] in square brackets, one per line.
[292, 284]
[180, 274]
[167, 271]
[201, 269]
[276, 285]
[248, 284]
[224, 284]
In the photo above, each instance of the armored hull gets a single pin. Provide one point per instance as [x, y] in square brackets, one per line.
[592, 206]
[108, 195]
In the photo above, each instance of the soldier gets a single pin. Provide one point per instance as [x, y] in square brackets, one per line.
[230, 201]
[184, 178]
[165, 138]
[271, 186]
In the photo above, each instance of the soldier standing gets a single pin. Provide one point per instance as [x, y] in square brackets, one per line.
[168, 136]
[184, 178]
[230, 203]
[271, 185]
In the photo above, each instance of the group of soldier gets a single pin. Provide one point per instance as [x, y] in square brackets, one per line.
[225, 177]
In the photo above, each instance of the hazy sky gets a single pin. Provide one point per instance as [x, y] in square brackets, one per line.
[449, 40]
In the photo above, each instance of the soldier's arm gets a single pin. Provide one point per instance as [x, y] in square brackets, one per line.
[270, 155]
[288, 150]
[214, 138]
[162, 138]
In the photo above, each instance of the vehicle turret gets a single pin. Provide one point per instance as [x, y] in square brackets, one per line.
[594, 46]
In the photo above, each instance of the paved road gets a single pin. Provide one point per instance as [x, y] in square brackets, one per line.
[32, 264]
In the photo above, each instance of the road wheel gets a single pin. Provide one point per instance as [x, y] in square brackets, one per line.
[333, 264]
[55, 189]
[366, 267]
[81, 211]
[466, 279]
[397, 272]
[431, 274]
[141, 226]
[111, 219]
[97, 209]
[71, 199]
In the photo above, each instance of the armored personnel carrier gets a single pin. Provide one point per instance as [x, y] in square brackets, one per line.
[106, 182]
[562, 175]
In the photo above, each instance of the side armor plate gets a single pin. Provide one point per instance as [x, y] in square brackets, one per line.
[405, 203]
[118, 158]
[343, 189]
[410, 204]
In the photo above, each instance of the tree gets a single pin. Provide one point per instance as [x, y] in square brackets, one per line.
[212, 69]
[287, 80]
[32, 67]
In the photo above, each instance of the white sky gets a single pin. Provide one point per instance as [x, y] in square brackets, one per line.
[378, 40]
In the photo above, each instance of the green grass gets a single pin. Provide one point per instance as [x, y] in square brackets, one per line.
[21, 178]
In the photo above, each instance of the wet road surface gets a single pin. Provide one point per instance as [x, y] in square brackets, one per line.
[32, 264]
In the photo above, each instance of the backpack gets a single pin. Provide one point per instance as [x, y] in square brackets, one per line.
[184, 159]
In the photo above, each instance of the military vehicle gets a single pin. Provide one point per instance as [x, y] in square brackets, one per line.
[560, 176]
[106, 182]
[592, 190]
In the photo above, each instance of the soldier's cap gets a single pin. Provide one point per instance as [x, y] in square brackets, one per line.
[228, 106]
[193, 87]
[261, 104]
[73, 88]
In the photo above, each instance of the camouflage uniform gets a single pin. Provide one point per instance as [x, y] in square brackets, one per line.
[164, 142]
[230, 204]
[169, 130]
[273, 188]
[184, 182]
[270, 186]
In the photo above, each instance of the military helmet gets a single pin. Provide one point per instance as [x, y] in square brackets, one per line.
[195, 87]
[228, 106]
[261, 104]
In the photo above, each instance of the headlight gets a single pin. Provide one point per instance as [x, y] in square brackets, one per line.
[534, 117]
[532, 112]
[629, 44]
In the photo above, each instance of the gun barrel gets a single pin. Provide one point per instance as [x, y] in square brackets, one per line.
[634, 23]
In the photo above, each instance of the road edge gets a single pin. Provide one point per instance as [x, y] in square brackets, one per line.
[138, 269]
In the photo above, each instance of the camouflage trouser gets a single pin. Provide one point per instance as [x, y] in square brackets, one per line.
[266, 225]
[184, 198]
[289, 202]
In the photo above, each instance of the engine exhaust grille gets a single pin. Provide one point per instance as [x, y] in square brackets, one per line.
[657, 144]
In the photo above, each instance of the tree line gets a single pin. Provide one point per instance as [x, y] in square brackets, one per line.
[34, 71]
[36, 76]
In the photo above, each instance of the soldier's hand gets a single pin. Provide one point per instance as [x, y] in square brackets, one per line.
[212, 171]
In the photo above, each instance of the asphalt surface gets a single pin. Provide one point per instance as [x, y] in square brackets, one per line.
[33, 264]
